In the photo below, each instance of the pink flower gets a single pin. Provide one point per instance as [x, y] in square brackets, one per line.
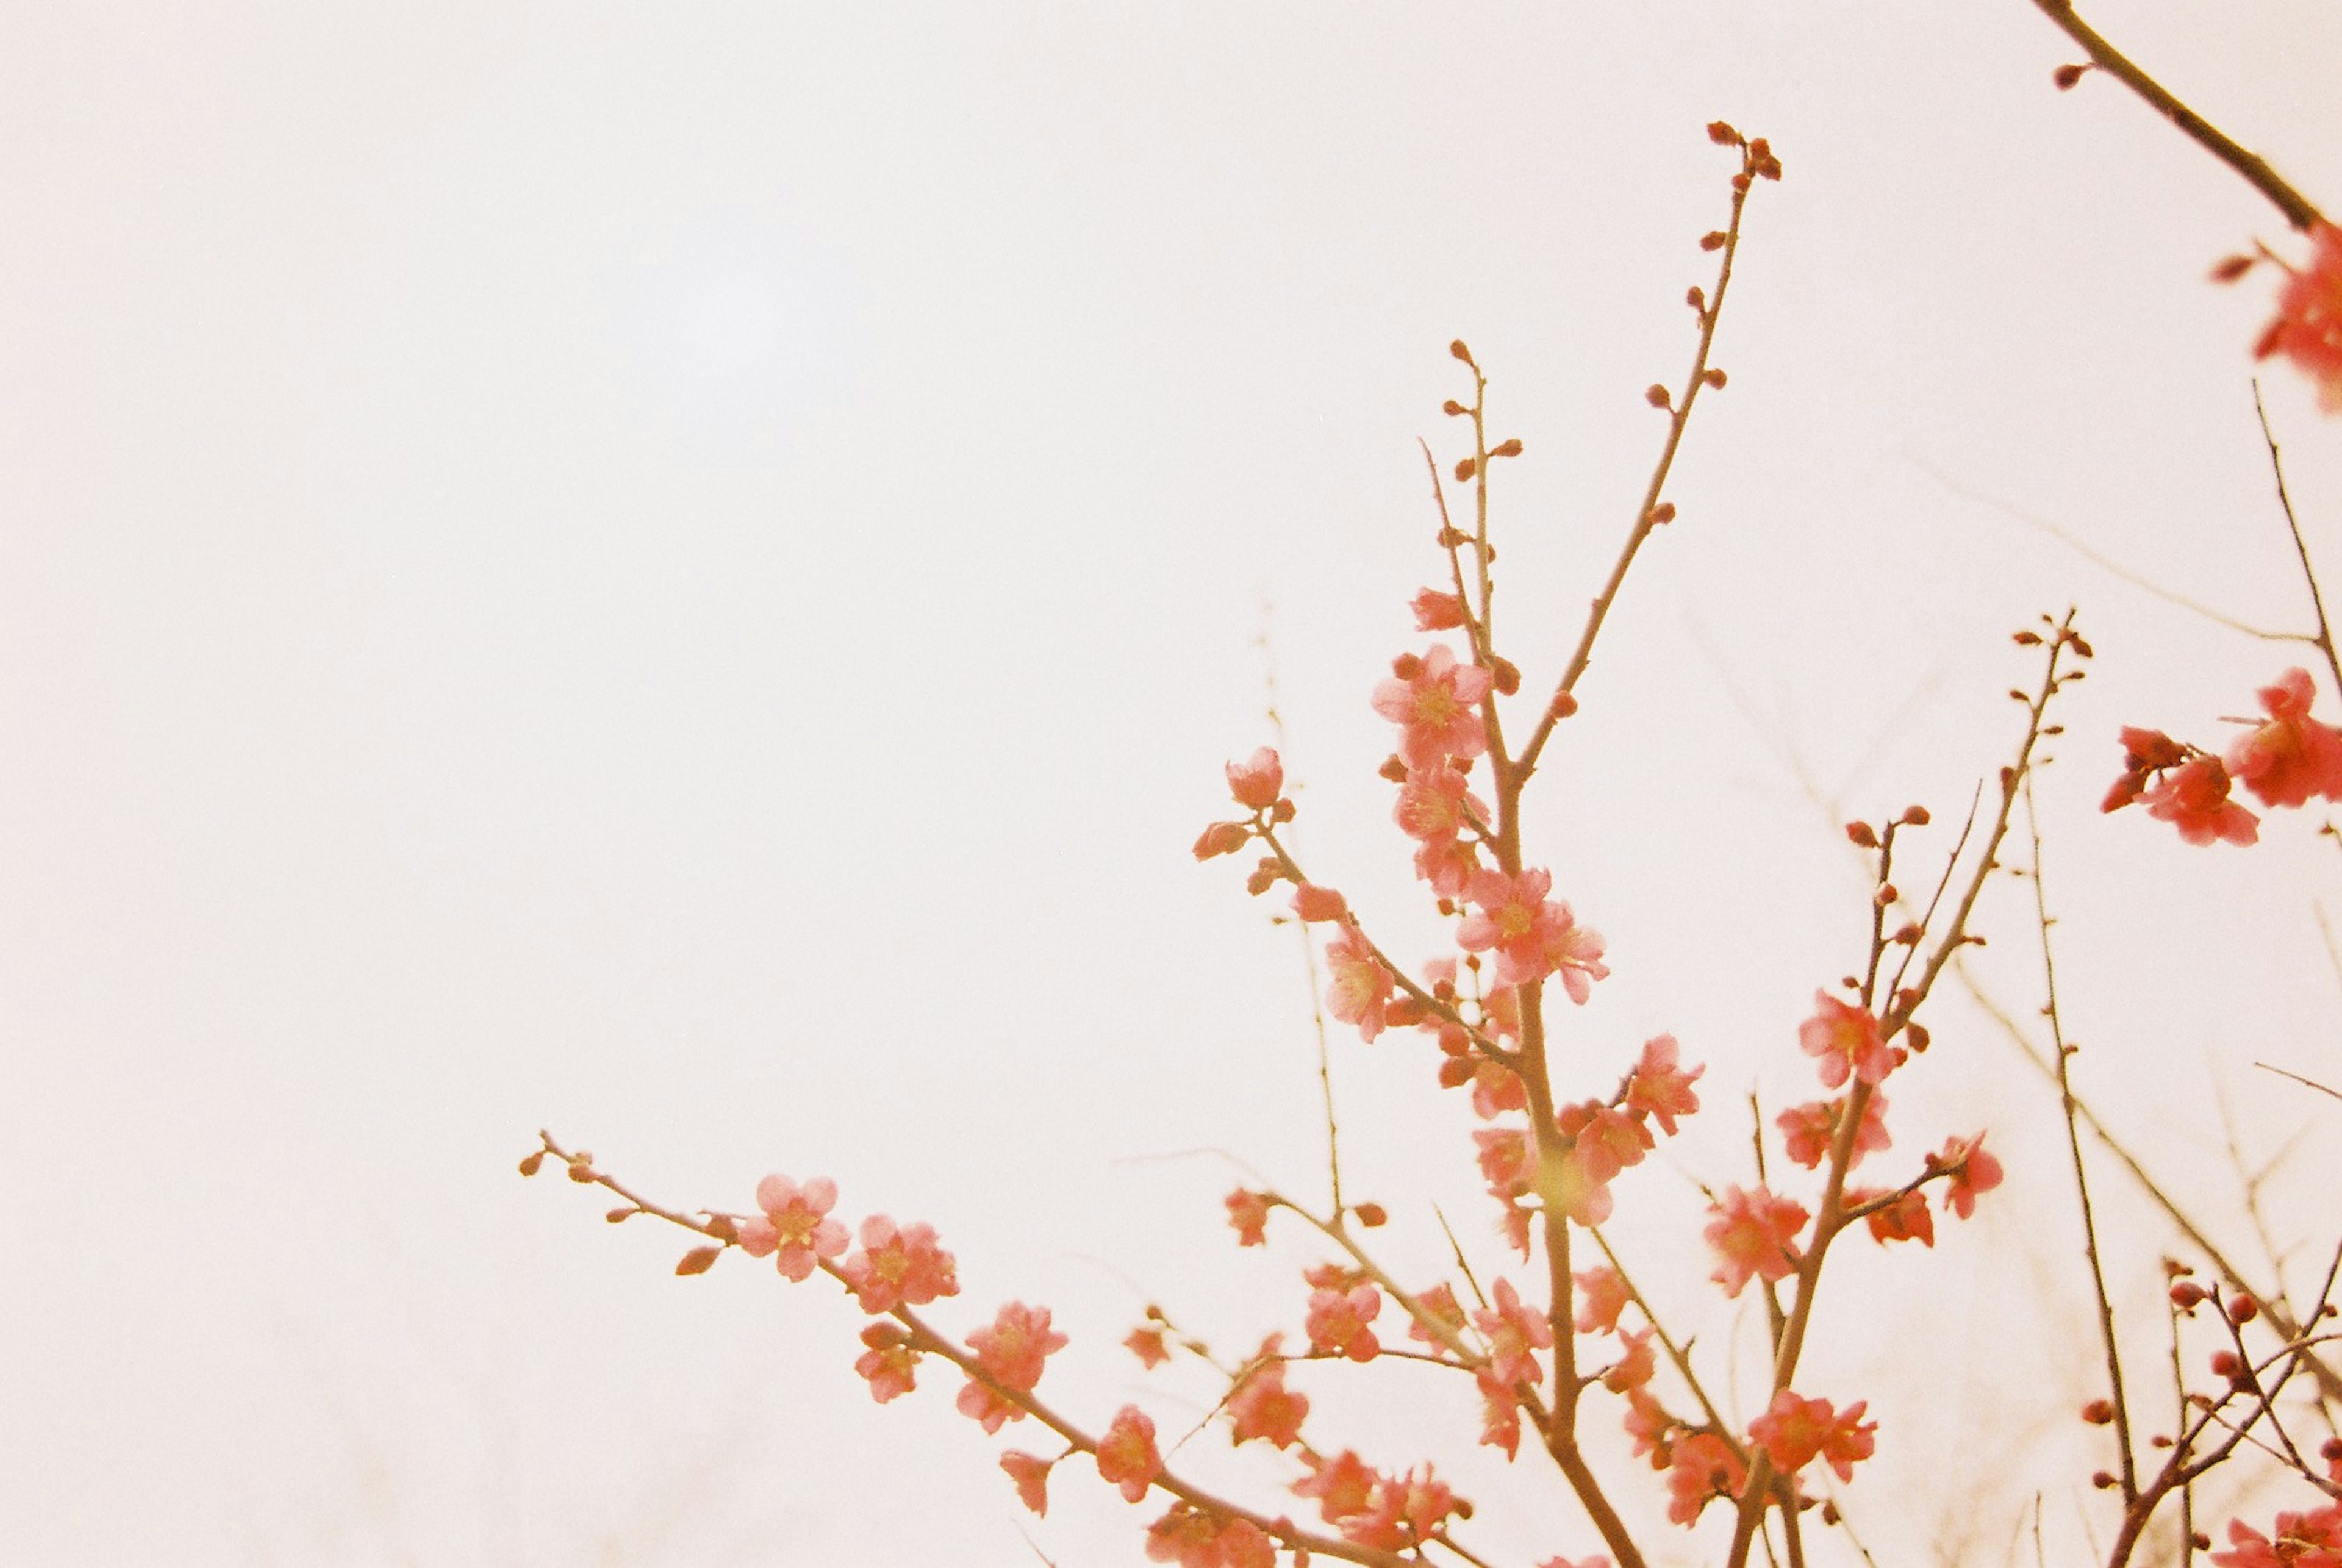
[1533, 936]
[1434, 702]
[794, 1230]
[1647, 1424]
[1568, 1187]
[2311, 1540]
[1146, 1342]
[1634, 1368]
[1973, 1171]
[1337, 1320]
[1573, 952]
[1906, 1219]
[1703, 1467]
[1846, 1039]
[1248, 1213]
[1437, 612]
[1515, 1336]
[1031, 1475]
[1660, 1087]
[1608, 1141]
[888, 1362]
[1447, 864]
[2194, 798]
[1314, 903]
[899, 1267]
[1126, 1454]
[1437, 804]
[1257, 780]
[1753, 1231]
[1361, 990]
[2308, 329]
[1604, 1295]
[1439, 1303]
[2292, 756]
[1262, 1406]
[1342, 1485]
[1795, 1430]
[1808, 1129]
[1500, 1413]
[1010, 1351]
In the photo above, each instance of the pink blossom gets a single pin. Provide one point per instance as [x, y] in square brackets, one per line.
[1906, 1219]
[1342, 1485]
[1845, 1039]
[1146, 1342]
[1533, 936]
[1609, 1141]
[1603, 1295]
[794, 1229]
[1437, 612]
[899, 1267]
[1256, 782]
[1440, 1305]
[1262, 1406]
[1011, 1349]
[1633, 1368]
[889, 1361]
[1031, 1475]
[1500, 1413]
[1807, 1130]
[1248, 1213]
[1314, 903]
[1435, 701]
[2292, 756]
[2311, 1540]
[1701, 1467]
[1337, 1320]
[1795, 1431]
[2194, 798]
[1361, 990]
[1435, 805]
[1515, 1336]
[1125, 1455]
[1659, 1086]
[2308, 329]
[1753, 1230]
[1973, 1171]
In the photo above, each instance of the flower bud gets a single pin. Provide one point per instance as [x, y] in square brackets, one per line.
[1451, 407]
[1722, 134]
[697, 1261]
[1712, 376]
[1314, 903]
[2186, 1294]
[2065, 76]
[1657, 397]
[1221, 838]
[2098, 1411]
[1713, 240]
[1511, 447]
[1459, 351]
[1861, 834]
[1465, 469]
[1504, 674]
[1393, 768]
[528, 1166]
[2231, 268]
[1374, 1216]
[2242, 1308]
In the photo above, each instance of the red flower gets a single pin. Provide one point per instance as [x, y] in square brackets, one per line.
[1337, 1320]
[1146, 1342]
[1660, 1087]
[1126, 1454]
[794, 1229]
[898, 1267]
[1515, 1335]
[1256, 780]
[1262, 1406]
[1973, 1171]
[1605, 1293]
[2308, 325]
[1435, 701]
[1248, 1213]
[1032, 1478]
[888, 1362]
[2194, 798]
[1701, 1467]
[1906, 1219]
[1753, 1230]
[1807, 1130]
[2292, 756]
[1437, 612]
[1011, 1349]
[1845, 1039]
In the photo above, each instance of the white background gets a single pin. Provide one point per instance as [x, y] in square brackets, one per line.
[683, 572]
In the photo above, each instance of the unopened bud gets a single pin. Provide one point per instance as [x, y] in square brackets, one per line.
[2231, 268]
[1263, 878]
[1459, 351]
[1221, 838]
[1713, 240]
[1916, 816]
[1862, 835]
[1406, 667]
[1657, 397]
[1504, 674]
[2225, 1364]
[1722, 134]
[2243, 1308]
[1696, 298]
[1374, 1216]
[530, 1166]
[1451, 407]
[2187, 1294]
[1465, 469]
[1917, 1034]
[1563, 705]
[2098, 1411]
[1393, 768]
[2065, 76]
[1510, 448]
[698, 1260]
[1665, 511]
[620, 1216]
[2102, 1480]
[1712, 376]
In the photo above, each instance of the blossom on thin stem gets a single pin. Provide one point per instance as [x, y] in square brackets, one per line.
[2194, 798]
[1125, 1455]
[2308, 327]
[794, 1229]
[1659, 1086]
[1753, 1230]
[1435, 701]
[1794, 1432]
[1361, 990]
[1846, 1041]
[898, 1267]
[2290, 757]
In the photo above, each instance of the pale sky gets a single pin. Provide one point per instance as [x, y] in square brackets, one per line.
[683, 574]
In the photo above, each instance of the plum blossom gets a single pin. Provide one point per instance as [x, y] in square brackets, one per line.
[898, 1267]
[1337, 1320]
[1701, 1467]
[1845, 1039]
[1515, 1336]
[1608, 1140]
[1146, 1342]
[1031, 1475]
[1361, 989]
[1262, 1406]
[2194, 798]
[1125, 1455]
[888, 1362]
[2307, 328]
[1435, 701]
[2291, 756]
[2311, 1540]
[1973, 1171]
[1661, 1088]
[1500, 1413]
[1753, 1230]
[794, 1229]
[1248, 1213]
[1437, 612]
[1258, 780]
[1603, 1295]
[1807, 1130]
[1906, 1219]
[1794, 1431]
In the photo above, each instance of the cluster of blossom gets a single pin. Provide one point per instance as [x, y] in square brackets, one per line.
[2285, 759]
[2307, 326]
